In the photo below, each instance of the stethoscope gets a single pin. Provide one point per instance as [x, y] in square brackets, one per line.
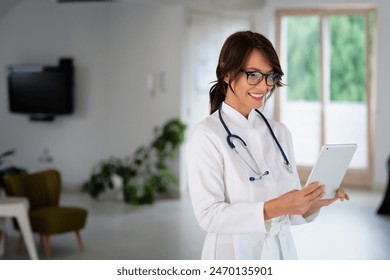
[230, 137]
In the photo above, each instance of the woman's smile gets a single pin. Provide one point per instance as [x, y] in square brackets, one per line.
[257, 96]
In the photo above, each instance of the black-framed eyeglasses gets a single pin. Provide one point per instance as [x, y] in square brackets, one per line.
[255, 77]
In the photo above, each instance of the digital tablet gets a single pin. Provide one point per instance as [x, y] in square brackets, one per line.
[331, 165]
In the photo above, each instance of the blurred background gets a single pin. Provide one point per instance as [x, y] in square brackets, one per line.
[139, 63]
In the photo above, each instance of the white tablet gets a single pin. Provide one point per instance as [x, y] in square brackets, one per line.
[331, 166]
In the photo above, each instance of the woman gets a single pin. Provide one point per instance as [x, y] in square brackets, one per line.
[245, 190]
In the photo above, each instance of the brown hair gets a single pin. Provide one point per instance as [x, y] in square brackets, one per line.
[232, 58]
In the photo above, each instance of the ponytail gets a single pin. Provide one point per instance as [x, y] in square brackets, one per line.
[217, 95]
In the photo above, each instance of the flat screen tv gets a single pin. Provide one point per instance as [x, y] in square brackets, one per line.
[41, 91]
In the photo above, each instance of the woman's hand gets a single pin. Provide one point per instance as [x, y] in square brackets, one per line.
[340, 194]
[296, 202]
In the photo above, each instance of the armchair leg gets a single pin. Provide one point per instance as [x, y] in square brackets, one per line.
[2, 241]
[79, 241]
[20, 243]
[46, 243]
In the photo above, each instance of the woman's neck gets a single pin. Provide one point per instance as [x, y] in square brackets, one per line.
[236, 106]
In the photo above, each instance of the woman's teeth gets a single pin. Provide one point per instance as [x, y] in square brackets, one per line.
[256, 95]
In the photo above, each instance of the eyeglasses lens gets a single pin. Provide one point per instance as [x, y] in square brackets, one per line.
[256, 78]
[271, 80]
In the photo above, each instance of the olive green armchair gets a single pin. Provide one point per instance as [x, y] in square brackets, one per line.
[47, 218]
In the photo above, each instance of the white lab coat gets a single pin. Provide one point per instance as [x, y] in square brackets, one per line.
[227, 205]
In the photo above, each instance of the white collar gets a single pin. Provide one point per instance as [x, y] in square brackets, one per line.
[237, 116]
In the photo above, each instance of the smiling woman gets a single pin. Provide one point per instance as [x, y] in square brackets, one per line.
[231, 72]
[246, 93]
[243, 195]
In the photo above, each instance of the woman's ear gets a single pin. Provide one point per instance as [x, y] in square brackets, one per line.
[226, 78]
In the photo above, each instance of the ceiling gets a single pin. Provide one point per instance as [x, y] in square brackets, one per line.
[199, 4]
[228, 5]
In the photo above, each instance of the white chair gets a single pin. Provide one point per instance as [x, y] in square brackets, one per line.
[17, 207]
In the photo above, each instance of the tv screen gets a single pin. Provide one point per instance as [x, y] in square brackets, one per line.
[38, 89]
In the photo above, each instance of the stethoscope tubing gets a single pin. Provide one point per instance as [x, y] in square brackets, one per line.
[232, 146]
[286, 161]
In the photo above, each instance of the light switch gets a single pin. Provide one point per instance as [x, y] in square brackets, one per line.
[151, 84]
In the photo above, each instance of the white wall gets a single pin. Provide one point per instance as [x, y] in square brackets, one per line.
[382, 140]
[114, 46]
[6, 6]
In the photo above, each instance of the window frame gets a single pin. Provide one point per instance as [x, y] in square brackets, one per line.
[354, 177]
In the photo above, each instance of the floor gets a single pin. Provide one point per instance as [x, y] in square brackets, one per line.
[168, 230]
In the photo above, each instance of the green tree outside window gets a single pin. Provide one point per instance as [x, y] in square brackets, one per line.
[347, 58]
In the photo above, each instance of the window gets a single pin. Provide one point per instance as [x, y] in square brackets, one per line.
[327, 56]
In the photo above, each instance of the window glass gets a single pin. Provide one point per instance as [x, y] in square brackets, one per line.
[347, 58]
[303, 55]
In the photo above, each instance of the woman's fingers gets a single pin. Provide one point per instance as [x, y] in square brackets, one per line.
[326, 202]
[340, 194]
[311, 188]
[316, 191]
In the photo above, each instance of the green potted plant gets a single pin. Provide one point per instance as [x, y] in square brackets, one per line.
[144, 174]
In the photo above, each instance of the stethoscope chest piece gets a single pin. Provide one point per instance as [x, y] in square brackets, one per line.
[289, 168]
